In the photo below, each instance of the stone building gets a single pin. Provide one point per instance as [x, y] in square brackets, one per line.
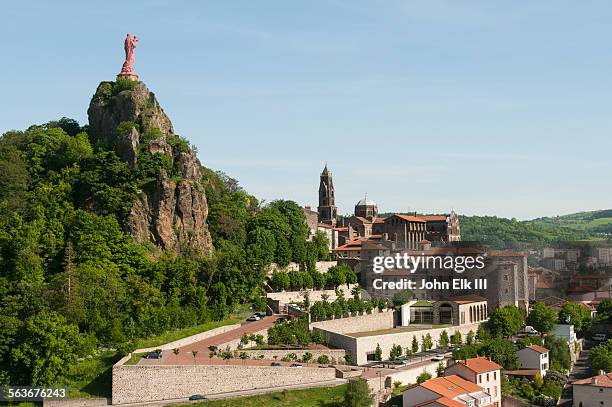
[327, 199]
[366, 208]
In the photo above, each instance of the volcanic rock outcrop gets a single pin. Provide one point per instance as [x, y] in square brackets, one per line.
[171, 211]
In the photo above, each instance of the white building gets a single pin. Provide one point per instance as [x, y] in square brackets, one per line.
[534, 357]
[565, 332]
[595, 391]
[481, 371]
[448, 391]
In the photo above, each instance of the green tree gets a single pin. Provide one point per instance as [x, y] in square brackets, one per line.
[457, 340]
[469, 340]
[378, 353]
[575, 314]
[444, 341]
[501, 351]
[321, 244]
[427, 342]
[357, 394]
[402, 297]
[44, 347]
[600, 357]
[542, 317]
[440, 370]
[396, 352]
[506, 321]
[415, 345]
[423, 377]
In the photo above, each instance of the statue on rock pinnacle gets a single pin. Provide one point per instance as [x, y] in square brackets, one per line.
[127, 71]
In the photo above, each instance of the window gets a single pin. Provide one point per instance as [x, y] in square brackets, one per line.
[506, 277]
[487, 377]
[494, 375]
[479, 378]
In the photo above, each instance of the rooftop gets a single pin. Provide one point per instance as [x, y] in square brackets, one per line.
[537, 348]
[389, 331]
[603, 380]
[451, 386]
[480, 364]
[467, 299]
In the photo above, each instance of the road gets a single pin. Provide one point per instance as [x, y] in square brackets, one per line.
[581, 370]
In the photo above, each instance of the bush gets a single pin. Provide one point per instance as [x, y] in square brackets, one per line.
[122, 84]
[323, 360]
[423, 377]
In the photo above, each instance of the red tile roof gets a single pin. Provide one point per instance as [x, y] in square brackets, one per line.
[467, 299]
[433, 217]
[480, 365]
[451, 386]
[411, 218]
[538, 348]
[604, 380]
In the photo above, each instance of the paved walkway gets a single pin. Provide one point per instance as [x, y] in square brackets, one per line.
[185, 356]
[580, 370]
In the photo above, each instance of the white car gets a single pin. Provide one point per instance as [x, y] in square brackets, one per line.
[438, 358]
[253, 318]
[530, 330]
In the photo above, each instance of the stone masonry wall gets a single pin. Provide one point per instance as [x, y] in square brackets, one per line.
[361, 323]
[140, 383]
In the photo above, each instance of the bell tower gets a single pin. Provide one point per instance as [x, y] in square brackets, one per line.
[327, 199]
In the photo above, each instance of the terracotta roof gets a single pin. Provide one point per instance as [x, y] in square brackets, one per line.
[444, 401]
[433, 217]
[425, 241]
[451, 386]
[480, 364]
[604, 380]
[445, 251]
[522, 372]
[538, 348]
[379, 220]
[341, 228]
[352, 245]
[544, 284]
[466, 299]
[361, 219]
[324, 225]
[408, 218]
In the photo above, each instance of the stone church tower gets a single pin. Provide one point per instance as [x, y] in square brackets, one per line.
[327, 199]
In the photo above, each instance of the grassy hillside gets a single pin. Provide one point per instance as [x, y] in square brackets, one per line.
[511, 233]
[595, 222]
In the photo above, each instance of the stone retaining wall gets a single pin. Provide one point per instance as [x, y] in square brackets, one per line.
[140, 383]
[361, 323]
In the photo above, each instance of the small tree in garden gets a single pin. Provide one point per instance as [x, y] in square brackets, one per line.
[415, 345]
[443, 342]
[440, 369]
[378, 352]
[176, 351]
[194, 353]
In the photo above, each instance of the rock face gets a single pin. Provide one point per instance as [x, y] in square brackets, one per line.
[171, 213]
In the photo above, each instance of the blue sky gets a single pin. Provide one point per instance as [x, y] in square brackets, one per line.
[487, 107]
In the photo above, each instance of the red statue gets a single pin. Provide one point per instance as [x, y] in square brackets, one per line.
[127, 71]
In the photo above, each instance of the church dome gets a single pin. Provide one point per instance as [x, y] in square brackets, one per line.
[366, 202]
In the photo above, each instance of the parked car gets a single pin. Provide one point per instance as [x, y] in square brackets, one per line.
[198, 397]
[261, 314]
[599, 337]
[296, 365]
[253, 317]
[275, 364]
[438, 358]
[152, 355]
[530, 330]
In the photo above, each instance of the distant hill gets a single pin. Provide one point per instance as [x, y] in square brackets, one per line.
[511, 233]
[596, 222]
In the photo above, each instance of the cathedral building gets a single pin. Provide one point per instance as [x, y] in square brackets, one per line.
[407, 231]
